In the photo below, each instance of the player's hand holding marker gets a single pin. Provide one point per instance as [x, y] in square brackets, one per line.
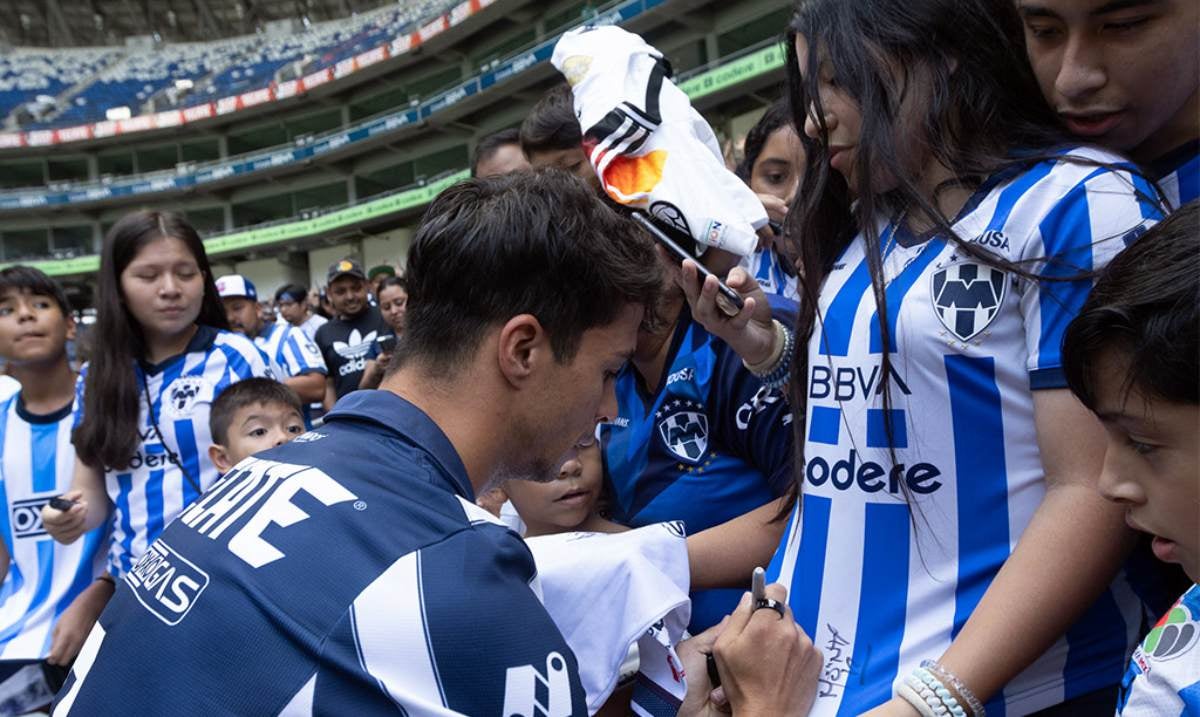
[66, 526]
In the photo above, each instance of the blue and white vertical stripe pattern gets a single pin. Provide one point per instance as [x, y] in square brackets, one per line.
[767, 268]
[876, 589]
[1182, 184]
[289, 351]
[44, 576]
[152, 489]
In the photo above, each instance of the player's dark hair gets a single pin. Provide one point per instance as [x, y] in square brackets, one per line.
[963, 64]
[552, 125]
[26, 279]
[777, 115]
[492, 143]
[107, 437]
[247, 392]
[1146, 307]
[539, 243]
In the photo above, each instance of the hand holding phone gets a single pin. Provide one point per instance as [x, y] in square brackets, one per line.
[728, 301]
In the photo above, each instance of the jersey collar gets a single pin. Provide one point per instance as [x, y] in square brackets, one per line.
[201, 340]
[391, 413]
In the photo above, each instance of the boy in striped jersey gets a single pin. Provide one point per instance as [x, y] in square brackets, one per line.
[294, 359]
[1131, 356]
[50, 597]
[1125, 75]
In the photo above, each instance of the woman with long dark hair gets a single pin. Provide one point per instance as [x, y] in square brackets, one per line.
[162, 355]
[949, 547]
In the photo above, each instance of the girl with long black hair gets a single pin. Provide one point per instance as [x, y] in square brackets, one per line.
[949, 548]
[163, 354]
[771, 167]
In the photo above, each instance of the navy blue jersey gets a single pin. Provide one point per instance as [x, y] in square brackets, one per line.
[710, 444]
[346, 572]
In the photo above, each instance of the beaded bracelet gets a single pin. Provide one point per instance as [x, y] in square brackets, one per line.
[947, 677]
[948, 700]
[907, 693]
[777, 351]
[778, 371]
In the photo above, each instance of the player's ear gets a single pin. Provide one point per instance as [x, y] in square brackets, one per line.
[220, 458]
[522, 346]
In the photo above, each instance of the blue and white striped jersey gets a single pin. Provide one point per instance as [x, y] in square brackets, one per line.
[767, 268]
[878, 586]
[171, 467]
[345, 573]
[709, 444]
[37, 462]
[289, 351]
[1163, 679]
[1178, 174]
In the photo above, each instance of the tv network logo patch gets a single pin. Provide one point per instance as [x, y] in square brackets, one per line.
[166, 583]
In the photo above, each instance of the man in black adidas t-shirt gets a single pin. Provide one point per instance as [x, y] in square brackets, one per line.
[347, 338]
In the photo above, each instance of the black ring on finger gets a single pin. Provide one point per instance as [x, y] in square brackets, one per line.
[771, 604]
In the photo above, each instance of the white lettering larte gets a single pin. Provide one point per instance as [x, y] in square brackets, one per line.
[248, 543]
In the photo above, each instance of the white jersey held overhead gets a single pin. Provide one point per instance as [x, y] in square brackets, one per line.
[648, 145]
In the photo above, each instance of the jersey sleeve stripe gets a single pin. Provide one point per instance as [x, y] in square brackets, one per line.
[392, 637]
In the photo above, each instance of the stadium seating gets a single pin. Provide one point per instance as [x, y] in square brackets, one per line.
[145, 80]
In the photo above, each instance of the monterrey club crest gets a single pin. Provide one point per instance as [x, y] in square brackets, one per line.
[967, 297]
[683, 428]
[183, 394]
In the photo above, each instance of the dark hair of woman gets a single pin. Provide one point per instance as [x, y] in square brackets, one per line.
[777, 115]
[108, 434]
[981, 112]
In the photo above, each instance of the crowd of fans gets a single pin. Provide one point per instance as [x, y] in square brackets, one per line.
[955, 418]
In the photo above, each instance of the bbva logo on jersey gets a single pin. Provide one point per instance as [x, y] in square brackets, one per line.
[966, 297]
[683, 428]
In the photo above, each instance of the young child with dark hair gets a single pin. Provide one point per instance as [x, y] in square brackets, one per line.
[1132, 356]
[252, 416]
[569, 503]
[52, 593]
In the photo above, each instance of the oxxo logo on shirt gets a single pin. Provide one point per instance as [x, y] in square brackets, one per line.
[267, 489]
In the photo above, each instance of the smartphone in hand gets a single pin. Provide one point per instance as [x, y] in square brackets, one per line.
[673, 240]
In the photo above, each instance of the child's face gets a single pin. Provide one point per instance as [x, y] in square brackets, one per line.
[1152, 463]
[32, 327]
[256, 428]
[564, 503]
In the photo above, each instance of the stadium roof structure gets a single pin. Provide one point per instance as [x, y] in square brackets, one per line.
[86, 23]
